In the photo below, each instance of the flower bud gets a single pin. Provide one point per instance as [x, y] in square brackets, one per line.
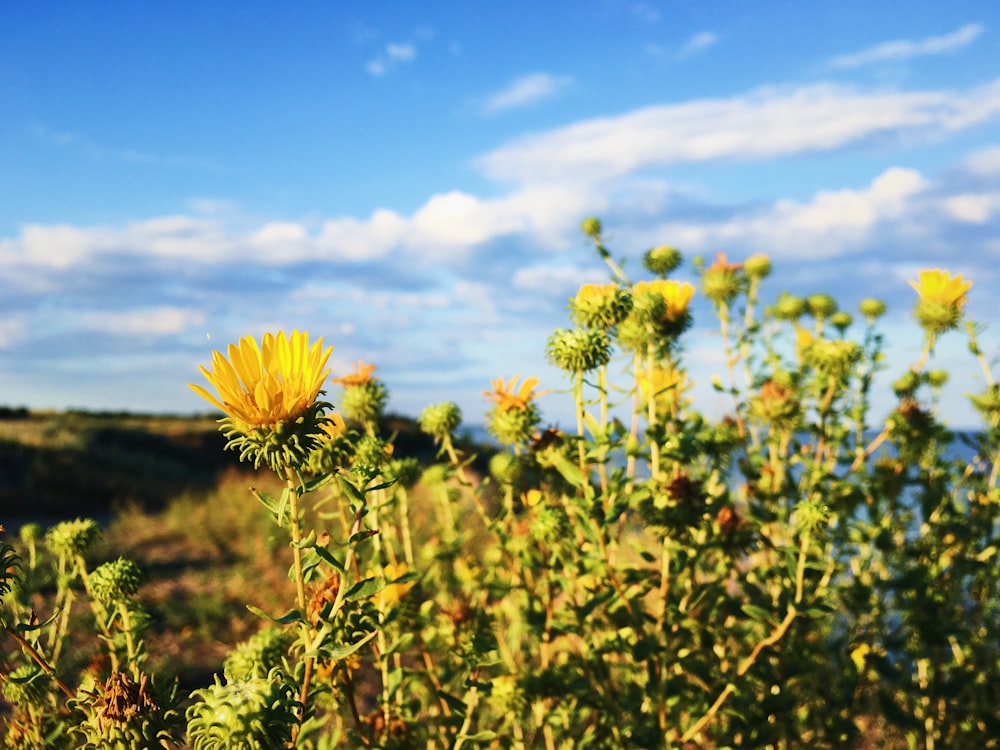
[255, 712]
[257, 656]
[71, 538]
[821, 306]
[592, 228]
[440, 420]
[872, 309]
[662, 260]
[579, 350]
[116, 582]
[757, 266]
[600, 305]
[789, 307]
[841, 321]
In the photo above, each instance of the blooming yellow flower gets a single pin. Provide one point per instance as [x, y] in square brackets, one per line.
[940, 287]
[362, 374]
[507, 398]
[263, 385]
[676, 294]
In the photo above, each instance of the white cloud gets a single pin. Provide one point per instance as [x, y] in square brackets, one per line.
[832, 223]
[904, 49]
[393, 54]
[765, 123]
[148, 321]
[973, 208]
[984, 162]
[525, 90]
[697, 43]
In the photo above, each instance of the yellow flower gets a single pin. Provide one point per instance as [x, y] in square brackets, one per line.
[676, 295]
[940, 287]
[333, 427]
[266, 384]
[507, 398]
[393, 592]
[362, 374]
[668, 385]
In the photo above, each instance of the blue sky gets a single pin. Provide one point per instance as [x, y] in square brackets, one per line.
[408, 179]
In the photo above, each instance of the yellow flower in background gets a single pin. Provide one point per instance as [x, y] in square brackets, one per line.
[676, 295]
[261, 385]
[940, 287]
[393, 592]
[667, 385]
[362, 374]
[507, 398]
[333, 427]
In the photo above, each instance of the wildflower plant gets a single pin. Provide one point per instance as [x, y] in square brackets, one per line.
[796, 572]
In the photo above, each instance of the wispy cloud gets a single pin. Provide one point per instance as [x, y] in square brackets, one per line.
[697, 43]
[88, 147]
[904, 49]
[393, 54]
[524, 91]
[765, 123]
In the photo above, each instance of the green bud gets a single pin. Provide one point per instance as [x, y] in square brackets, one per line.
[27, 686]
[841, 321]
[513, 426]
[937, 317]
[757, 266]
[872, 309]
[592, 228]
[662, 260]
[821, 306]
[600, 305]
[789, 307]
[282, 445]
[258, 712]
[579, 350]
[440, 420]
[364, 402]
[257, 656]
[937, 378]
[906, 384]
[116, 581]
[406, 470]
[505, 468]
[71, 538]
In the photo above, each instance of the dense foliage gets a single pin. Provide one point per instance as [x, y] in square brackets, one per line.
[792, 575]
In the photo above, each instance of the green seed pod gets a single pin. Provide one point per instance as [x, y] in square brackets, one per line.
[440, 420]
[257, 656]
[578, 350]
[116, 581]
[722, 285]
[834, 358]
[257, 713]
[662, 260]
[71, 538]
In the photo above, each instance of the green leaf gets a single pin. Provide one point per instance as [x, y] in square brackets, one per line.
[292, 615]
[486, 735]
[349, 491]
[758, 613]
[364, 589]
[347, 649]
[569, 470]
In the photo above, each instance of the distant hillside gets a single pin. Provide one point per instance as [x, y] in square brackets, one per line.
[68, 464]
